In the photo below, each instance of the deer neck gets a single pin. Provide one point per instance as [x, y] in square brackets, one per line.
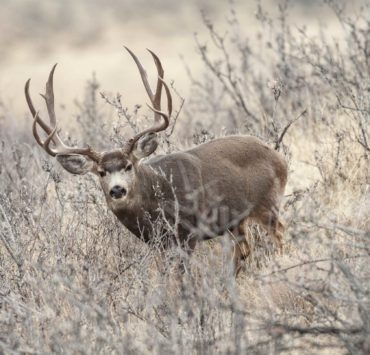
[143, 201]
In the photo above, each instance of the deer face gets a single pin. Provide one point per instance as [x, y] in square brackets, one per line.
[117, 175]
[116, 169]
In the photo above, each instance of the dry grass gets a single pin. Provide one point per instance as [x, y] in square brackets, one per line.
[73, 280]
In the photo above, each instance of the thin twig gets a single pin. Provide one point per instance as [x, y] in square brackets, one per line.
[285, 130]
[314, 262]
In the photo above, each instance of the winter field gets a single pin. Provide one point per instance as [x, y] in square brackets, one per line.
[73, 280]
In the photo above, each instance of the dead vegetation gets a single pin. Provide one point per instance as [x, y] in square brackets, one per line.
[73, 280]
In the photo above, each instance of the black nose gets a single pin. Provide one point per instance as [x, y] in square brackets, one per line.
[117, 191]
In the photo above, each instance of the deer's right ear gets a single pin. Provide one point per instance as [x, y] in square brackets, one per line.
[76, 164]
[145, 146]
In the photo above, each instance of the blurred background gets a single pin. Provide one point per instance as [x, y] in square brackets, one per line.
[87, 37]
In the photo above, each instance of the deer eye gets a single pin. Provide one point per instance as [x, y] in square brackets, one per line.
[102, 173]
[128, 167]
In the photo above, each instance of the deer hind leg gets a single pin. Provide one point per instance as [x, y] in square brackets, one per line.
[187, 248]
[269, 219]
[240, 247]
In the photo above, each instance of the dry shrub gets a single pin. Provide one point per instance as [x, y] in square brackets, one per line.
[75, 281]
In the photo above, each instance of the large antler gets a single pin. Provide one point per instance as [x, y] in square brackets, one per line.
[51, 131]
[155, 99]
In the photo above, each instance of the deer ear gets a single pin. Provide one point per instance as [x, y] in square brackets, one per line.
[145, 146]
[76, 164]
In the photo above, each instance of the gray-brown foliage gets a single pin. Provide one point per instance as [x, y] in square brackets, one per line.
[72, 279]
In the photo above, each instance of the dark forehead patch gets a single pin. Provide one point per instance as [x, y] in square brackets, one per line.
[113, 161]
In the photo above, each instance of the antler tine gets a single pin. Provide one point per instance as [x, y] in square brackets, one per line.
[166, 116]
[169, 97]
[34, 130]
[156, 128]
[49, 99]
[143, 74]
[155, 98]
[46, 144]
[43, 125]
[158, 92]
[49, 96]
[52, 135]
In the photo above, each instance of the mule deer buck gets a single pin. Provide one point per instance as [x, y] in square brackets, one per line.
[207, 191]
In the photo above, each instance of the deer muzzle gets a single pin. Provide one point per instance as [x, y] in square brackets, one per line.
[117, 192]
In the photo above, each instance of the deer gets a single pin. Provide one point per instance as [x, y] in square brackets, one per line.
[210, 190]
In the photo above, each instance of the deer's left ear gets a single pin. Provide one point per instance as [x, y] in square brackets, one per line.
[76, 164]
[145, 146]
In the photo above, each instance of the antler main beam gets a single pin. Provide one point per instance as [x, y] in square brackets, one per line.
[161, 119]
[155, 99]
[52, 135]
